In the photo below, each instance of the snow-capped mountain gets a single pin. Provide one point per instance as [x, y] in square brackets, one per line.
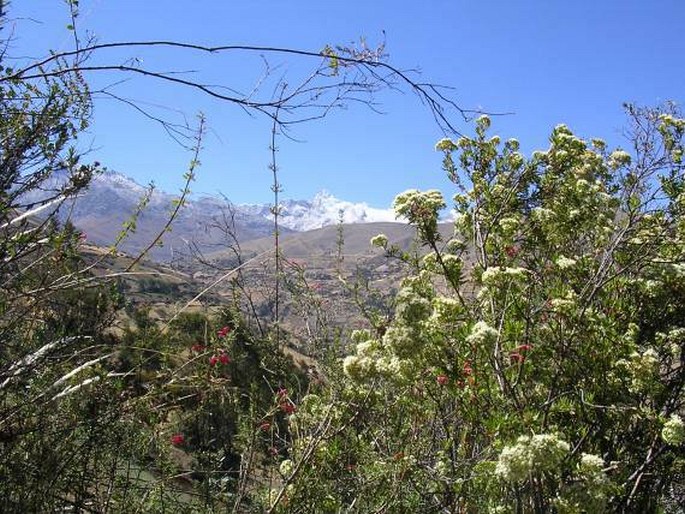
[112, 197]
[325, 209]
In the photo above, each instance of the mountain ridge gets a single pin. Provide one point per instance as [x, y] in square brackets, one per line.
[204, 224]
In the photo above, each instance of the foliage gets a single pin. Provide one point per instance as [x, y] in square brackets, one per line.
[85, 411]
[532, 363]
[535, 361]
[52, 318]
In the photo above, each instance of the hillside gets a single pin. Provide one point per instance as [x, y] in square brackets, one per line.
[322, 289]
[324, 241]
[312, 293]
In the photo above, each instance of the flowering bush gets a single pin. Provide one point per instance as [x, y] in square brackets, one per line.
[531, 456]
[533, 358]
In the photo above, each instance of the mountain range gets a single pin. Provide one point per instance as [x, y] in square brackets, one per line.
[205, 224]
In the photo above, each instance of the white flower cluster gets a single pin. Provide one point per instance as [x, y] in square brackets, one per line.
[411, 306]
[649, 359]
[542, 215]
[402, 340]
[564, 305]
[673, 432]
[509, 224]
[588, 489]
[286, 468]
[591, 464]
[415, 205]
[531, 455]
[363, 367]
[513, 143]
[452, 264]
[380, 240]
[456, 245]
[678, 269]
[641, 367]
[482, 333]
[358, 368]
[563, 136]
[388, 366]
[495, 275]
[673, 340]
[430, 262]
[368, 360]
[445, 310]
[599, 144]
[564, 262]
[483, 121]
[516, 160]
[668, 119]
[445, 145]
[619, 158]
[311, 405]
[394, 355]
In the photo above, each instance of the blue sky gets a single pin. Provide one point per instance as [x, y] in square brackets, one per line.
[545, 61]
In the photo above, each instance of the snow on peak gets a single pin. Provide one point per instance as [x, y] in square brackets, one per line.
[325, 209]
[300, 215]
[127, 188]
[110, 178]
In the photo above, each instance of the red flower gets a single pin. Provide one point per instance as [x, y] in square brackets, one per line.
[442, 379]
[223, 332]
[288, 407]
[224, 359]
[523, 348]
[467, 369]
[198, 347]
[265, 426]
[213, 360]
[516, 357]
[511, 251]
[178, 439]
